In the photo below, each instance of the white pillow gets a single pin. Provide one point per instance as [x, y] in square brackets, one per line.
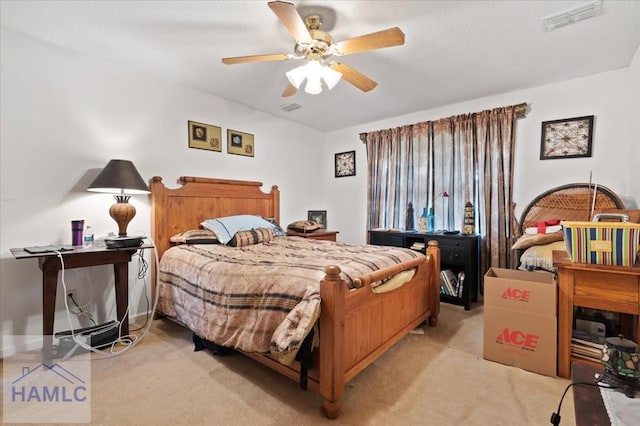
[226, 227]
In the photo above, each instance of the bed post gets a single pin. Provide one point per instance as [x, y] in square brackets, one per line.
[332, 318]
[433, 251]
[158, 231]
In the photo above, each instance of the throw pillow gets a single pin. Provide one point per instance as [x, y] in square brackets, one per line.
[254, 236]
[305, 226]
[226, 227]
[195, 236]
[529, 240]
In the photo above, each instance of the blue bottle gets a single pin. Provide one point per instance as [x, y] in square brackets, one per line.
[431, 221]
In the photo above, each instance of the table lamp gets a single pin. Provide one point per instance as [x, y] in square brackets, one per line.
[120, 178]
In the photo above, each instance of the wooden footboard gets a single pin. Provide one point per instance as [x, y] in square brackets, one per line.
[357, 326]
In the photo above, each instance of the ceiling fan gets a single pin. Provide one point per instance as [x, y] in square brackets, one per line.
[317, 47]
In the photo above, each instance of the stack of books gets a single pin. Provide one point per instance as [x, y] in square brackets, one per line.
[586, 346]
[451, 283]
[418, 246]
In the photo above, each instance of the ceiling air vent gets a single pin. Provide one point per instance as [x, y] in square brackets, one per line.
[290, 107]
[570, 16]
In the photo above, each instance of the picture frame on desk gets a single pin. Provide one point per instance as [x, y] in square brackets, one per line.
[318, 216]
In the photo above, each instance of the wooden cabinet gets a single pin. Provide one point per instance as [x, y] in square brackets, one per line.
[609, 288]
[315, 235]
[458, 252]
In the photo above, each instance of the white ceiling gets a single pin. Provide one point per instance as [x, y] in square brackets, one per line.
[454, 50]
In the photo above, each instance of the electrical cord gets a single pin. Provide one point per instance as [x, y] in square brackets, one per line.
[143, 266]
[555, 417]
[129, 341]
[81, 310]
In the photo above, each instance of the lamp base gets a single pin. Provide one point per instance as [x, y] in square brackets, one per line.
[628, 386]
[123, 242]
[122, 212]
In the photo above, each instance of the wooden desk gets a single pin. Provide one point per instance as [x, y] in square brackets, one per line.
[80, 257]
[587, 400]
[610, 288]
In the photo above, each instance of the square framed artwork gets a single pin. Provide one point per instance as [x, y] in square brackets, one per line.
[204, 136]
[239, 143]
[318, 216]
[345, 164]
[566, 138]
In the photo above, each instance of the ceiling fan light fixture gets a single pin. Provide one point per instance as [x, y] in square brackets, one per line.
[296, 76]
[313, 86]
[330, 76]
[315, 73]
[316, 46]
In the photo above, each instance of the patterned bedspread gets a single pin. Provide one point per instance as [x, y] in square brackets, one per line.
[264, 297]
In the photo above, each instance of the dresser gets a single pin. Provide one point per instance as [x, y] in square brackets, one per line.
[458, 253]
[609, 288]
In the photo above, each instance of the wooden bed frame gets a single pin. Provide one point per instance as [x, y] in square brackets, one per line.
[356, 326]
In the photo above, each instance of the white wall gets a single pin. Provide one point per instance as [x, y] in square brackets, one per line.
[614, 162]
[634, 69]
[65, 116]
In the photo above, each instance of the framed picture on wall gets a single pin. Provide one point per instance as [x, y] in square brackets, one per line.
[239, 143]
[566, 138]
[345, 164]
[204, 136]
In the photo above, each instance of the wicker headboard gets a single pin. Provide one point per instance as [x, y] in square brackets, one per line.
[573, 201]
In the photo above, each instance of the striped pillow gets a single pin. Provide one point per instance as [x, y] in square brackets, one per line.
[195, 236]
[254, 236]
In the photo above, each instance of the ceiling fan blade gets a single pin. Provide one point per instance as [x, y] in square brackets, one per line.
[290, 90]
[359, 80]
[385, 38]
[255, 58]
[291, 19]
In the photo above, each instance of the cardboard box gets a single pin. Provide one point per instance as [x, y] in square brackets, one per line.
[526, 291]
[520, 319]
[602, 243]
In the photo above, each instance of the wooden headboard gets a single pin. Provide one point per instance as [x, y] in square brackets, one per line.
[573, 201]
[199, 198]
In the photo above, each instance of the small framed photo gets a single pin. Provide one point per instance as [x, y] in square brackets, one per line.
[566, 138]
[346, 164]
[239, 143]
[318, 216]
[205, 136]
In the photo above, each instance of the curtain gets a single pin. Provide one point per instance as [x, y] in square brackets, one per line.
[445, 164]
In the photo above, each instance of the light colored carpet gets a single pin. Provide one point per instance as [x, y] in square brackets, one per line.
[437, 378]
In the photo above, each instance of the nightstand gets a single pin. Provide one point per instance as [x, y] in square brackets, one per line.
[315, 235]
[80, 257]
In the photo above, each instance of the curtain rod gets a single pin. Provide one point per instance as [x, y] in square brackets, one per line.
[520, 111]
